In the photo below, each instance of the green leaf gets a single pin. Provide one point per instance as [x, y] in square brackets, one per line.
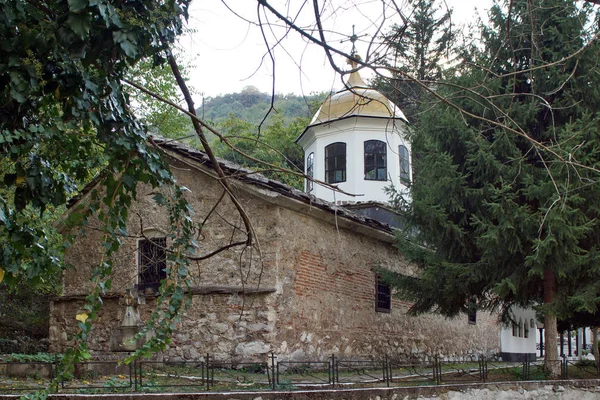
[80, 24]
[77, 5]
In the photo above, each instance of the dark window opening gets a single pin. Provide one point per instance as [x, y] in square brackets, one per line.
[404, 163]
[520, 328]
[383, 296]
[310, 171]
[152, 263]
[472, 316]
[335, 163]
[375, 160]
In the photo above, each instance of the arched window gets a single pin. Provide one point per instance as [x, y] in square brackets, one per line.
[310, 160]
[404, 163]
[514, 329]
[335, 163]
[152, 262]
[375, 160]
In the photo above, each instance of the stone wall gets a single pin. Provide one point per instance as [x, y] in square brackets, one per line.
[314, 280]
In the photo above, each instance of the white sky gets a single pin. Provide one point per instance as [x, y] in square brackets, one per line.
[227, 53]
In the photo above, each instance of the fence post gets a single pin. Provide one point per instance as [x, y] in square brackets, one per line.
[437, 370]
[55, 371]
[273, 371]
[207, 371]
[386, 371]
[565, 368]
[482, 368]
[141, 375]
[135, 382]
[332, 368]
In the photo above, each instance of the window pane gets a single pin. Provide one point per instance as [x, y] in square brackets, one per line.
[375, 160]
[384, 296]
[335, 163]
[152, 262]
[404, 163]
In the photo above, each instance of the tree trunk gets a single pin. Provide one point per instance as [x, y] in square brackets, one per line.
[552, 361]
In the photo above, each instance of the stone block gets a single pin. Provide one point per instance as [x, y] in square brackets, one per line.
[251, 349]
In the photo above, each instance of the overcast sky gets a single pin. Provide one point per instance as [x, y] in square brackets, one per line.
[227, 52]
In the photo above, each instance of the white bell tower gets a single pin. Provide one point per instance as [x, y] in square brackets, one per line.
[357, 142]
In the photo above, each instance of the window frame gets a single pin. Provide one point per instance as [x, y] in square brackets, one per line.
[373, 164]
[310, 172]
[147, 279]
[472, 315]
[338, 159]
[520, 327]
[404, 163]
[383, 296]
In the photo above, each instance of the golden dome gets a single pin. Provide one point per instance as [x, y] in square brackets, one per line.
[357, 99]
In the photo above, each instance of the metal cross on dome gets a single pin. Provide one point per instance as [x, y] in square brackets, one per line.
[352, 39]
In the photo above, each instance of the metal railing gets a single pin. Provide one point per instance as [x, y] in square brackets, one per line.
[273, 374]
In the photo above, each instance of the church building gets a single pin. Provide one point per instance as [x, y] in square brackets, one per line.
[310, 288]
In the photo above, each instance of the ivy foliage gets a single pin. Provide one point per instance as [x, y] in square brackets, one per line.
[65, 116]
[507, 196]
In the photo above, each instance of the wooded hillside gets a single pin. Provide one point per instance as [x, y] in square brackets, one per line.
[251, 105]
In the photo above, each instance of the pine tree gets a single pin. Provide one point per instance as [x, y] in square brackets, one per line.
[417, 48]
[506, 200]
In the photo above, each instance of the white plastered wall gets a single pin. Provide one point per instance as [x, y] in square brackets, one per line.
[354, 132]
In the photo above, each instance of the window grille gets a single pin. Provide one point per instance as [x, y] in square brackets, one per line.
[472, 316]
[383, 296]
[335, 163]
[375, 160]
[152, 263]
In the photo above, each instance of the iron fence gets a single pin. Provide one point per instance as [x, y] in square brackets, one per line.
[222, 375]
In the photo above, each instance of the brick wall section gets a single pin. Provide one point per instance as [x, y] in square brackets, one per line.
[312, 280]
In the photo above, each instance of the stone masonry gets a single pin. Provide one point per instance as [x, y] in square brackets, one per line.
[306, 292]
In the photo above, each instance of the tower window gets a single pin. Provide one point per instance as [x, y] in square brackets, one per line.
[152, 262]
[383, 293]
[375, 160]
[335, 163]
[310, 160]
[472, 312]
[404, 163]
[520, 327]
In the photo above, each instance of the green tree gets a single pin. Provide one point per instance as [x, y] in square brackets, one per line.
[274, 145]
[157, 115]
[506, 200]
[418, 48]
[65, 114]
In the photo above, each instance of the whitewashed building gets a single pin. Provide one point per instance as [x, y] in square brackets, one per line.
[356, 142]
